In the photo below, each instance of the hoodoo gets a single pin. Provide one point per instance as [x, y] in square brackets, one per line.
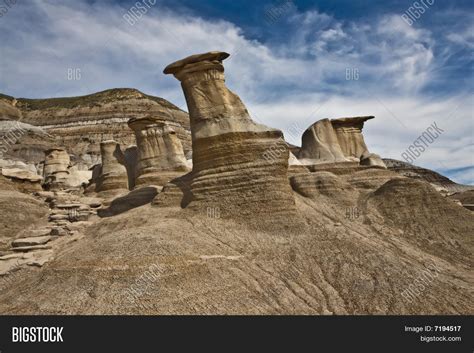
[56, 165]
[113, 174]
[337, 143]
[229, 170]
[160, 152]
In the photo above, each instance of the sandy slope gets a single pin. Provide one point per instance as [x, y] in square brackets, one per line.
[337, 262]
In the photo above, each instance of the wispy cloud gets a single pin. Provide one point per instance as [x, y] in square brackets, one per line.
[281, 81]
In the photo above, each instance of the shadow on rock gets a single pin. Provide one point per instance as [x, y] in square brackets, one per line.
[133, 199]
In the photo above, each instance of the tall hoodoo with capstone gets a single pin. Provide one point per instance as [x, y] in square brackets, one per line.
[113, 173]
[229, 168]
[160, 152]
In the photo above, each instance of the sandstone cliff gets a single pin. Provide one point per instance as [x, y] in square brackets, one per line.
[80, 123]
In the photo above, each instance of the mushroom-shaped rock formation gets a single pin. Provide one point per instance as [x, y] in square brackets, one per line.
[113, 174]
[229, 168]
[349, 135]
[338, 141]
[160, 152]
[320, 144]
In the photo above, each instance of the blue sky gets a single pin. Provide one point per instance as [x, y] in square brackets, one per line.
[314, 60]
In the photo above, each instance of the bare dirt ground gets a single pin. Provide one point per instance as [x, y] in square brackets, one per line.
[345, 255]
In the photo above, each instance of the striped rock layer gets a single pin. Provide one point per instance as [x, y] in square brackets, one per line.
[229, 169]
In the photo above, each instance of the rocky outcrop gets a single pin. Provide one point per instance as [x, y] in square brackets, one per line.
[440, 182]
[371, 160]
[320, 144]
[160, 152]
[349, 135]
[23, 141]
[314, 184]
[18, 211]
[56, 166]
[25, 180]
[337, 141]
[416, 207]
[79, 124]
[8, 110]
[229, 170]
[113, 173]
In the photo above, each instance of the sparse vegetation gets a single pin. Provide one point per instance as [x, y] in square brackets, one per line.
[95, 99]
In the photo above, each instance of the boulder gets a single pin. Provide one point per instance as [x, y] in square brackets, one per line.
[32, 241]
[24, 180]
[21, 174]
[372, 160]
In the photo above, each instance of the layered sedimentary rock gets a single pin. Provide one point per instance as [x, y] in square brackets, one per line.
[23, 141]
[337, 141]
[25, 180]
[439, 181]
[55, 170]
[113, 173]
[8, 110]
[349, 135]
[319, 144]
[80, 123]
[56, 163]
[314, 184]
[160, 151]
[229, 170]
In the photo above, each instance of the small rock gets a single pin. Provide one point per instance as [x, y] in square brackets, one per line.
[45, 194]
[38, 233]
[11, 256]
[58, 231]
[58, 217]
[72, 205]
[31, 248]
[30, 241]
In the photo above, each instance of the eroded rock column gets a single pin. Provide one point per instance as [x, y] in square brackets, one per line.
[55, 171]
[229, 170]
[113, 174]
[337, 143]
[351, 140]
[160, 152]
[320, 144]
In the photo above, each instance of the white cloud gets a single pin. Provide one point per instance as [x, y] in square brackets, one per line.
[280, 82]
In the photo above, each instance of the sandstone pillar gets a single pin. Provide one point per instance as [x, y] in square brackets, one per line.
[351, 140]
[229, 168]
[160, 152]
[55, 171]
[113, 174]
[349, 135]
[337, 143]
[320, 144]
